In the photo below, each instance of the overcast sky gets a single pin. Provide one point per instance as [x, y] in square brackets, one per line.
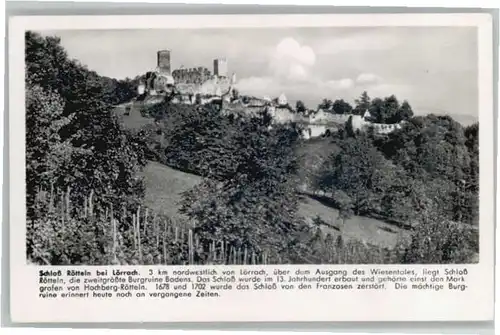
[435, 69]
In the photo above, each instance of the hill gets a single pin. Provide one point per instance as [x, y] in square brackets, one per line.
[165, 185]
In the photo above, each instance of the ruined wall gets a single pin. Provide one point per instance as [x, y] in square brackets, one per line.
[283, 115]
[313, 131]
[192, 75]
[323, 117]
[358, 122]
[208, 87]
[380, 128]
[163, 83]
[156, 82]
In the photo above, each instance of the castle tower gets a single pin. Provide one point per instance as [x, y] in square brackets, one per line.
[220, 67]
[163, 61]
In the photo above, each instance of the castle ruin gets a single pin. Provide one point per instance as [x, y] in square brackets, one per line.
[192, 80]
[198, 85]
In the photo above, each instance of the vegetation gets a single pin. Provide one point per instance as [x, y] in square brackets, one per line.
[300, 107]
[423, 176]
[341, 107]
[254, 205]
[388, 110]
[362, 104]
[86, 200]
[73, 141]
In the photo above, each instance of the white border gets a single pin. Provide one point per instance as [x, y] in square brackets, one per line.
[247, 21]
[474, 304]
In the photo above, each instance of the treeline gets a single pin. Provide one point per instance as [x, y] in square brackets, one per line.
[430, 165]
[118, 91]
[430, 157]
[386, 110]
[73, 141]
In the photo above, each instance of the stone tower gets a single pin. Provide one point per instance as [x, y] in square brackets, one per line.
[163, 61]
[220, 67]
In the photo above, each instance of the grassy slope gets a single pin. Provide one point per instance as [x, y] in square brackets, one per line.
[365, 229]
[134, 120]
[165, 186]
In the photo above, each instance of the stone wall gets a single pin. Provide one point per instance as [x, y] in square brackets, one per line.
[322, 117]
[208, 87]
[195, 76]
[283, 115]
[313, 131]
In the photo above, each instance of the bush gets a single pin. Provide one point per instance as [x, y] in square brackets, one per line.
[73, 138]
[437, 240]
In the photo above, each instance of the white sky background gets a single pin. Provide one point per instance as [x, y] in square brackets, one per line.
[434, 68]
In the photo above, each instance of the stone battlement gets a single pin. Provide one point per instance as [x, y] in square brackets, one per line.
[195, 76]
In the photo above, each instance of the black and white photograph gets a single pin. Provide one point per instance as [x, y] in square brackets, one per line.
[252, 146]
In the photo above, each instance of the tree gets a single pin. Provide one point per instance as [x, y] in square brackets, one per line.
[405, 112]
[119, 91]
[104, 158]
[389, 110]
[377, 110]
[359, 170]
[197, 140]
[255, 206]
[341, 107]
[300, 107]
[235, 94]
[47, 154]
[362, 104]
[344, 205]
[471, 186]
[384, 110]
[349, 128]
[433, 151]
[437, 240]
[326, 104]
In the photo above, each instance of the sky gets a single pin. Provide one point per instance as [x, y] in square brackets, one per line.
[434, 68]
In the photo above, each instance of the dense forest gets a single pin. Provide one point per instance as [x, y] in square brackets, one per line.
[86, 201]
